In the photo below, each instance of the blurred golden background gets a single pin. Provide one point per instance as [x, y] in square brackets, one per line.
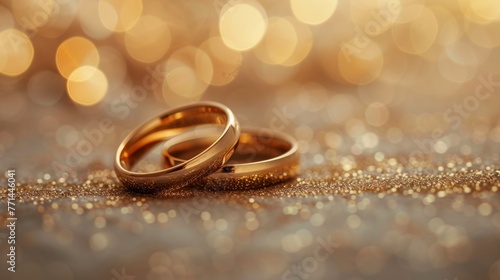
[348, 76]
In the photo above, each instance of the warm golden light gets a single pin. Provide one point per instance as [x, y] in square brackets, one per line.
[87, 85]
[274, 74]
[149, 39]
[189, 72]
[6, 18]
[449, 30]
[119, 15]
[75, 52]
[48, 18]
[33, 14]
[304, 43]
[481, 11]
[242, 26]
[377, 114]
[313, 11]
[226, 61]
[362, 65]
[418, 35]
[16, 52]
[279, 43]
[87, 17]
[485, 36]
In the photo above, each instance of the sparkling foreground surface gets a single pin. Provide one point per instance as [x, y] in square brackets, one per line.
[388, 218]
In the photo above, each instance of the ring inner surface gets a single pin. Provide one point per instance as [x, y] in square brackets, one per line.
[251, 148]
[168, 126]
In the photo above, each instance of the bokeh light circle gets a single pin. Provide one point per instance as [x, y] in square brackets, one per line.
[119, 15]
[377, 114]
[481, 11]
[361, 66]
[304, 43]
[313, 11]
[416, 36]
[242, 26]
[189, 71]
[226, 61]
[75, 52]
[148, 40]
[279, 43]
[16, 52]
[87, 85]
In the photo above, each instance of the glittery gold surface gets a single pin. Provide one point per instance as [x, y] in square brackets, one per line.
[394, 105]
[380, 218]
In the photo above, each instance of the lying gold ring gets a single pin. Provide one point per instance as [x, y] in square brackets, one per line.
[169, 124]
[262, 158]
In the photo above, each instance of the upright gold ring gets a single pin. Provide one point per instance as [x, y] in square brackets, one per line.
[167, 125]
[263, 157]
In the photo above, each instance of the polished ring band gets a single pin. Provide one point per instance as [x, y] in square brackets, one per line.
[262, 158]
[170, 124]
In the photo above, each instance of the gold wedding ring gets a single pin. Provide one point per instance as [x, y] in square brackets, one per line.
[263, 157]
[169, 124]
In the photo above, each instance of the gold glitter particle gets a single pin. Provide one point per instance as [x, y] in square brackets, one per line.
[79, 211]
[305, 213]
[353, 221]
[291, 243]
[484, 209]
[449, 236]
[98, 242]
[100, 222]
[252, 224]
[435, 224]
[172, 213]
[205, 216]
[162, 218]
[149, 217]
[317, 219]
